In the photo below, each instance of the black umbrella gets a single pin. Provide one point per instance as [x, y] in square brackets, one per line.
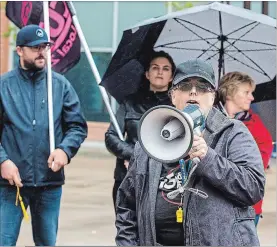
[127, 66]
[265, 91]
[265, 105]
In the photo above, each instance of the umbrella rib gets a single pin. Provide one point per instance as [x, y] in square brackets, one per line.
[235, 40]
[255, 64]
[232, 44]
[195, 33]
[211, 45]
[252, 41]
[184, 41]
[221, 50]
[183, 48]
[193, 24]
[241, 28]
[209, 58]
[209, 49]
[261, 71]
[269, 49]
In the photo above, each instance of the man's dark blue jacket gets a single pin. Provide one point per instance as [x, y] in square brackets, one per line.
[24, 127]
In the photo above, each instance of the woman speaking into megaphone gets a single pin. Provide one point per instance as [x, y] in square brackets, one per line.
[182, 202]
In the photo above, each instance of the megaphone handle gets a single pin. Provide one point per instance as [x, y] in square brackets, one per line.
[196, 160]
[196, 131]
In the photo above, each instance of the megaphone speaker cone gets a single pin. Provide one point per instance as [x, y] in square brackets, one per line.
[165, 133]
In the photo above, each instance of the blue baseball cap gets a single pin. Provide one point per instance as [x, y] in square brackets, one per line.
[32, 35]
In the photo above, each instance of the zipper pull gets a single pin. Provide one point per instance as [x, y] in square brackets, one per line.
[42, 103]
[34, 123]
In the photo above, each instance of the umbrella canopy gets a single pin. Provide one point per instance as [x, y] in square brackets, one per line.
[230, 38]
[267, 112]
[127, 66]
[265, 105]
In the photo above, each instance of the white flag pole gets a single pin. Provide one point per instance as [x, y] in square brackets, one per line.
[93, 67]
[49, 79]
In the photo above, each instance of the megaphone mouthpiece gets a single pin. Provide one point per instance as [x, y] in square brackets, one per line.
[172, 130]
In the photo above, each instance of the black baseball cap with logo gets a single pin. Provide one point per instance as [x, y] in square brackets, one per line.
[194, 68]
[32, 35]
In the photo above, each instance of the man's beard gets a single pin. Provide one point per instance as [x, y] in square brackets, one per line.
[31, 65]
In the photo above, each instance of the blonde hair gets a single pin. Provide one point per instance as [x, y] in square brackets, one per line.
[228, 84]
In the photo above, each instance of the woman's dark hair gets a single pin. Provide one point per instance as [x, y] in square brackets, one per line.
[145, 84]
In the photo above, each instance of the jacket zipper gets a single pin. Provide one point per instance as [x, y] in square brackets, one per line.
[185, 220]
[34, 130]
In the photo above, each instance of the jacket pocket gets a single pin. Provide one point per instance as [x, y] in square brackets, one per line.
[244, 230]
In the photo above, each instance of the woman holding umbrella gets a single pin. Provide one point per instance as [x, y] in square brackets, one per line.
[235, 91]
[153, 91]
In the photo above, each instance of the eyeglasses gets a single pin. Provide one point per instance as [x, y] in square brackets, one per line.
[201, 86]
[38, 48]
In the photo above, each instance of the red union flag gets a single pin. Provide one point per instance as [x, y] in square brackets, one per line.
[67, 47]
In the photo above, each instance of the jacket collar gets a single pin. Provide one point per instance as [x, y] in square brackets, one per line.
[31, 74]
[216, 122]
[243, 115]
[161, 98]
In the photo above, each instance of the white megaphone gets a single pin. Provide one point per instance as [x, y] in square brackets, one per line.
[166, 134]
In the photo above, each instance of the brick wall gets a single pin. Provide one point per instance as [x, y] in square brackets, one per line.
[4, 43]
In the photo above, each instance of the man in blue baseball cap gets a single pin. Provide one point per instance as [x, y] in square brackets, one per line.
[31, 45]
[25, 158]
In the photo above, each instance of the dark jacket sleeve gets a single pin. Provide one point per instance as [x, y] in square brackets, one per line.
[74, 123]
[3, 154]
[240, 176]
[120, 149]
[126, 218]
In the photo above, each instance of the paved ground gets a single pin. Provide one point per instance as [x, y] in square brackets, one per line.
[87, 216]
